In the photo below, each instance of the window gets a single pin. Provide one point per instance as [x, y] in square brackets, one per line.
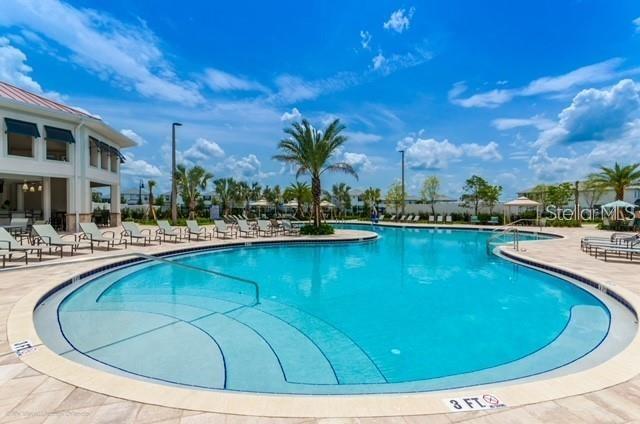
[114, 162]
[93, 152]
[58, 140]
[19, 145]
[105, 156]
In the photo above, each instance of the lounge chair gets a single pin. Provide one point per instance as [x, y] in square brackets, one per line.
[246, 229]
[475, 220]
[589, 244]
[416, 218]
[402, 218]
[494, 221]
[165, 230]
[276, 227]
[628, 252]
[133, 232]
[440, 219]
[265, 228]
[289, 229]
[10, 244]
[393, 218]
[223, 229]
[92, 233]
[194, 229]
[22, 224]
[47, 235]
[432, 219]
[449, 219]
[4, 254]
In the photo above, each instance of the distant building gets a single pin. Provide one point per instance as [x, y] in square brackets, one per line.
[588, 198]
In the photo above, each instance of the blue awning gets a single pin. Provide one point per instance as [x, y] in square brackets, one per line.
[59, 134]
[21, 127]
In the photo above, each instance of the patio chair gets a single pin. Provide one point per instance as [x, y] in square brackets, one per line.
[416, 218]
[4, 254]
[246, 229]
[276, 227]
[289, 229]
[393, 218]
[10, 244]
[194, 229]
[402, 218]
[92, 233]
[475, 220]
[449, 219]
[432, 219]
[47, 235]
[264, 227]
[133, 232]
[494, 220]
[223, 229]
[22, 224]
[627, 252]
[440, 219]
[165, 230]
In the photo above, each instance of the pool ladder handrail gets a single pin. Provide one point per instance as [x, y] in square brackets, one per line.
[501, 232]
[208, 271]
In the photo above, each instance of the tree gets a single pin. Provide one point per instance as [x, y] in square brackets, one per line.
[395, 196]
[255, 191]
[429, 192]
[490, 195]
[617, 178]
[190, 183]
[301, 193]
[151, 184]
[242, 194]
[593, 191]
[311, 152]
[277, 197]
[472, 192]
[225, 192]
[340, 194]
[560, 194]
[371, 197]
[539, 194]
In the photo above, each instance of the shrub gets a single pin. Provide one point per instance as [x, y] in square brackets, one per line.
[322, 230]
[574, 223]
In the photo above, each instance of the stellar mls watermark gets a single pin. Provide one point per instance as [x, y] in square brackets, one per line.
[589, 214]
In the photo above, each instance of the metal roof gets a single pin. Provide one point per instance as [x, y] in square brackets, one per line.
[12, 92]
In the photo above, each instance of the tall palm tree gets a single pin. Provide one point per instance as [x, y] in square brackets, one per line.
[151, 184]
[277, 197]
[301, 193]
[311, 151]
[243, 194]
[256, 191]
[617, 178]
[340, 193]
[225, 192]
[191, 182]
[371, 197]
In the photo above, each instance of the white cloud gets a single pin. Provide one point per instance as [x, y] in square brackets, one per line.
[596, 115]
[246, 168]
[423, 154]
[365, 39]
[139, 168]
[127, 55]
[203, 151]
[536, 121]
[219, 80]
[596, 73]
[14, 70]
[294, 115]
[636, 22]
[399, 21]
[457, 89]
[139, 140]
[377, 61]
[293, 89]
[360, 137]
[360, 162]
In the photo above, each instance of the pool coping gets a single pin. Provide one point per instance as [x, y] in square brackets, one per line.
[616, 370]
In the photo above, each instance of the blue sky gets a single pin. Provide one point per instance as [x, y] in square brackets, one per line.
[517, 92]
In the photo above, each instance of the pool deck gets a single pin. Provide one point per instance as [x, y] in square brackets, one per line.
[29, 396]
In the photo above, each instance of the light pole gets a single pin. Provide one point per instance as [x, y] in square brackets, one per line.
[140, 187]
[403, 193]
[174, 187]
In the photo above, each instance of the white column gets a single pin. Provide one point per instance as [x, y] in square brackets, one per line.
[115, 198]
[46, 198]
[19, 197]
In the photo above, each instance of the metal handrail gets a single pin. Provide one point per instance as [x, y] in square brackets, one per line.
[216, 273]
[502, 232]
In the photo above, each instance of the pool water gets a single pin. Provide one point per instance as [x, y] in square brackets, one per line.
[414, 310]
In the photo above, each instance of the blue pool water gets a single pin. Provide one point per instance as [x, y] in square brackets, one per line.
[413, 310]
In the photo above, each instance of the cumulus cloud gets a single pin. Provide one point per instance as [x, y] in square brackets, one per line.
[128, 55]
[219, 80]
[399, 20]
[429, 153]
[139, 167]
[202, 151]
[636, 22]
[596, 115]
[595, 73]
[294, 115]
[360, 162]
[139, 140]
[246, 168]
[365, 39]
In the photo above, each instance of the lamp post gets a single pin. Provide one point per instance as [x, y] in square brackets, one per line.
[174, 188]
[403, 192]
[140, 187]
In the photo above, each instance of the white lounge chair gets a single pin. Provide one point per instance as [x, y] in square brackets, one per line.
[165, 230]
[265, 228]
[92, 233]
[133, 232]
[449, 219]
[289, 229]
[432, 219]
[223, 229]
[440, 219]
[194, 229]
[246, 229]
[47, 235]
[10, 244]
[416, 218]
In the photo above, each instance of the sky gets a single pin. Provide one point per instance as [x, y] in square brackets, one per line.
[519, 93]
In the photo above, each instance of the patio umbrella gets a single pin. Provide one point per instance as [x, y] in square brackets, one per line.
[327, 204]
[291, 204]
[521, 201]
[262, 203]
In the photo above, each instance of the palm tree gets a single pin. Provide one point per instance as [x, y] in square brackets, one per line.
[190, 182]
[311, 151]
[301, 193]
[340, 193]
[225, 192]
[371, 197]
[243, 194]
[617, 178]
[151, 184]
[255, 191]
[277, 197]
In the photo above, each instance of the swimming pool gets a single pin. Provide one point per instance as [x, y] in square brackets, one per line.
[415, 310]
